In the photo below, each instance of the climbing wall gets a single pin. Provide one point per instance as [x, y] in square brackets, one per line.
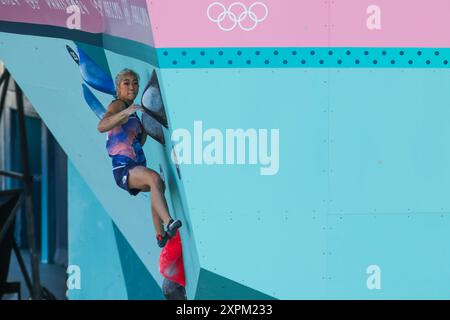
[355, 204]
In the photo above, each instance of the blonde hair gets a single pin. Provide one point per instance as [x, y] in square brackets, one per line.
[121, 75]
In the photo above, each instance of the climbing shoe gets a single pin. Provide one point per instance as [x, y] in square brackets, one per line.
[172, 227]
[162, 240]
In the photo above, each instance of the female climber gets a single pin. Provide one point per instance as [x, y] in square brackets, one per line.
[125, 139]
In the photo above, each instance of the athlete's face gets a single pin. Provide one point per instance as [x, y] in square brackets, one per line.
[128, 87]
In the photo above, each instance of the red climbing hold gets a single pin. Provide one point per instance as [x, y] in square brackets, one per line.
[171, 261]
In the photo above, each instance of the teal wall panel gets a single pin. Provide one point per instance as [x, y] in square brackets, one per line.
[411, 251]
[303, 57]
[283, 213]
[139, 282]
[213, 287]
[389, 148]
[92, 244]
[293, 101]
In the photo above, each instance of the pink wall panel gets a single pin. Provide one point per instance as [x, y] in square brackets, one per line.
[302, 23]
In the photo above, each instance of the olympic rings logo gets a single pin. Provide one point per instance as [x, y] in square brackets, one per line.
[237, 19]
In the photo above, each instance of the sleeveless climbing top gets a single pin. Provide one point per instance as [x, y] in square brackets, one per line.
[125, 139]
